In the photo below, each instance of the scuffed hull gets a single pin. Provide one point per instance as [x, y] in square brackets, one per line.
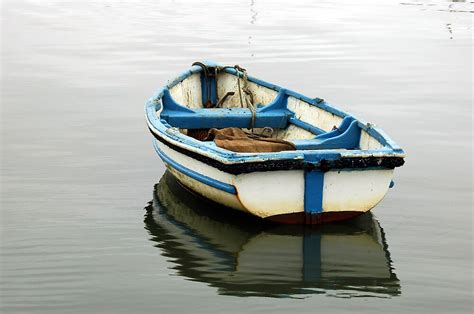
[339, 168]
[280, 195]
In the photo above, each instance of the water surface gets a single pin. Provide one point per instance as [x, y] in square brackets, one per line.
[78, 170]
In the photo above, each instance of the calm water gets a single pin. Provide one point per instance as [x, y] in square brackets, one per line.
[84, 229]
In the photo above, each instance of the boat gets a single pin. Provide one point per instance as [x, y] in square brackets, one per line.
[239, 255]
[307, 161]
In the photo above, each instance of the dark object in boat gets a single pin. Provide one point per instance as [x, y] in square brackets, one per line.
[236, 140]
[199, 134]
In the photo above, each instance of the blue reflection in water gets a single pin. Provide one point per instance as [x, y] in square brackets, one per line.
[244, 256]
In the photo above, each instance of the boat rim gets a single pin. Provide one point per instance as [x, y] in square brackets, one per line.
[172, 137]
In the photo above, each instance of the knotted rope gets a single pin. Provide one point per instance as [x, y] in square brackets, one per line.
[245, 94]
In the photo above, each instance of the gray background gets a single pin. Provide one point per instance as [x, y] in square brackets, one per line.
[78, 167]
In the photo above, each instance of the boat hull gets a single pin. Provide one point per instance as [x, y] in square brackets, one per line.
[339, 168]
[282, 196]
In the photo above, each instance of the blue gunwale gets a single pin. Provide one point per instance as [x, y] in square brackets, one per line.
[166, 132]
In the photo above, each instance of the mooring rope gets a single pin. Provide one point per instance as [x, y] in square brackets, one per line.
[245, 94]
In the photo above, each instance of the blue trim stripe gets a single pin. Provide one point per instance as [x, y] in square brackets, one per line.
[313, 191]
[193, 174]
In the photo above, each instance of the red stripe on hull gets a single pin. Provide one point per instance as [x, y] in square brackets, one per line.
[313, 219]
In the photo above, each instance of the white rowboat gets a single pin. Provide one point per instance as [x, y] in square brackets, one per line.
[341, 167]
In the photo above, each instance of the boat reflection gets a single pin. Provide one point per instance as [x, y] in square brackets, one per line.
[242, 256]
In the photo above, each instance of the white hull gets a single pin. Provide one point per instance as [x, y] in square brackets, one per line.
[242, 257]
[336, 166]
[271, 193]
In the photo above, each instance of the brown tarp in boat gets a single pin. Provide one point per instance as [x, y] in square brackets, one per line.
[236, 140]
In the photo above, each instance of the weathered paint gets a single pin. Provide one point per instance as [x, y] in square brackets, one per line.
[324, 159]
[195, 175]
[188, 92]
[172, 135]
[313, 115]
[360, 189]
[224, 117]
[368, 142]
[283, 192]
[196, 165]
[227, 82]
[346, 137]
[208, 89]
[209, 192]
[306, 126]
[313, 191]
[271, 193]
[355, 190]
[292, 132]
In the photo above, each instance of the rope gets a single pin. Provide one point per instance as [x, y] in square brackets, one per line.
[246, 91]
[245, 95]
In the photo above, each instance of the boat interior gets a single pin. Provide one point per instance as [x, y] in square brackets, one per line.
[200, 102]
